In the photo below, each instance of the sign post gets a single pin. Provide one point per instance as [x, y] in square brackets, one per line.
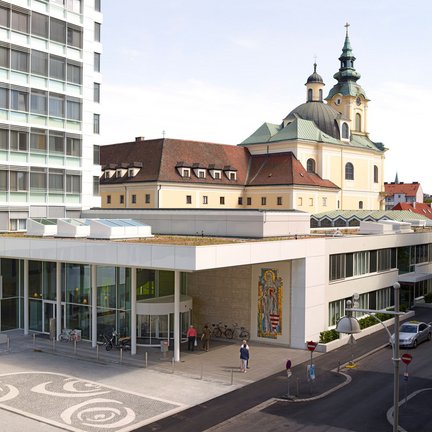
[311, 345]
[406, 358]
[289, 374]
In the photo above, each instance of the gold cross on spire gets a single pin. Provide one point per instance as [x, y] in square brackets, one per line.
[346, 26]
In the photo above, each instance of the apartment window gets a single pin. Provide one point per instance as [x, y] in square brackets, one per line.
[96, 155]
[349, 171]
[73, 73]
[18, 141]
[56, 180]
[57, 67]
[97, 32]
[263, 201]
[311, 202]
[361, 205]
[108, 199]
[38, 140]
[336, 311]
[299, 201]
[3, 180]
[38, 179]
[4, 98]
[357, 263]
[249, 201]
[96, 92]
[17, 224]
[188, 199]
[18, 181]
[73, 110]
[240, 201]
[19, 100]
[56, 105]
[279, 200]
[74, 37]
[73, 183]
[96, 123]
[4, 57]
[73, 5]
[337, 267]
[39, 63]
[58, 30]
[310, 165]
[38, 102]
[121, 199]
[20, 21]
[205, 199]
[375, 174]
[222, 200]
[147, 199]
[97, 64]
[73, 146]
[324, 201]
[4, 17]
[39, 24]
[134, 199]
[56, 143]
[98, 5]
[3, 138]
[19, 60]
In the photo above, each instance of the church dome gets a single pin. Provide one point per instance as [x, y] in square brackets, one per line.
[315, 77]
[324, 116]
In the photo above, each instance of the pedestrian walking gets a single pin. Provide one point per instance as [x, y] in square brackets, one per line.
[191, 335]
[244, 357]
[244, 342]
[205, 338]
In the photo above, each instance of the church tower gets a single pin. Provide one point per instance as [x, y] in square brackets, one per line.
[315, 87]
[348, 97]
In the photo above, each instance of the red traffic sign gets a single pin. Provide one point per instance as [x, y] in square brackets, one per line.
[406, 358]
[311, 345]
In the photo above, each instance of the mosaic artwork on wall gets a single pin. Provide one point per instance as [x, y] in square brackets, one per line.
[269, 304]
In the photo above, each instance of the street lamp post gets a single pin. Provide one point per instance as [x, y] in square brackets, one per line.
[348, 324]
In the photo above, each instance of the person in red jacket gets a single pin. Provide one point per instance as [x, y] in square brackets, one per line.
[191, 335]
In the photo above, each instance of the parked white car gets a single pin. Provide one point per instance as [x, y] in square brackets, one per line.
[412, 333]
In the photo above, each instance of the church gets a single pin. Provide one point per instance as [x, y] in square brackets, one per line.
[319, 158]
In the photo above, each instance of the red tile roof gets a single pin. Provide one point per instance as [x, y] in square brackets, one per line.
[420, 208]
[409, 189]
[160, 157]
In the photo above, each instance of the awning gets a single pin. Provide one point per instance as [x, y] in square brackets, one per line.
[413, 277]
[162, 305]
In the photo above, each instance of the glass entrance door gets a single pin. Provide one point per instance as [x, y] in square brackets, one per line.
[50, 311]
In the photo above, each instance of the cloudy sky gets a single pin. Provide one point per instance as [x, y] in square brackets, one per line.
[216, 70]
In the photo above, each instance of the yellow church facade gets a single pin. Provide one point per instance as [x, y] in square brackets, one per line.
[319, 158]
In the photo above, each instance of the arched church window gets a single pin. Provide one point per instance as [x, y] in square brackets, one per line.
[375, 174]
[361, 205]
[309, 95]
[310, 165]
[345, 130]
[358, 121]
[349, 171]
[320, 95]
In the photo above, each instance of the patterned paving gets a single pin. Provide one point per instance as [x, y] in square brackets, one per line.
[78, 405]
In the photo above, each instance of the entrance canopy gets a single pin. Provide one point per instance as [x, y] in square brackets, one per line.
[162, 305]
[413, 277]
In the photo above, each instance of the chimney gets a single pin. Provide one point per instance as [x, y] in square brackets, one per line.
[140, 138]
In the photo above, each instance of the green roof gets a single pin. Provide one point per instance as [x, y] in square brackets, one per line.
[396, 215]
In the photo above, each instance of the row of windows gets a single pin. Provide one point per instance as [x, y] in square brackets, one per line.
[40, 140]
[376, 300]
[41, 63]
[40, 180]
[349, 169]
[41, 102]
[359, 263]
[279, 200]
[41, 25]
[133, 199]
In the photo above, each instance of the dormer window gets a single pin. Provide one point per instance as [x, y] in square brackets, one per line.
[216, 174]
[108, 173]
[345, 131]
[232, 176]
[120, 172]
[132, 172]
[185, 172]
[230, 172]
[200, 173]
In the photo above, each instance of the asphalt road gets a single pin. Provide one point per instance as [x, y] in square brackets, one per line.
[360, 406]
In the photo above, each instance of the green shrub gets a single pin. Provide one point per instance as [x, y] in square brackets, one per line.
[428, 298]
[327, 336]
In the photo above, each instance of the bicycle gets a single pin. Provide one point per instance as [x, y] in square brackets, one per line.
[241, 333]
[68, 335]
[115, 341]
[218, 330]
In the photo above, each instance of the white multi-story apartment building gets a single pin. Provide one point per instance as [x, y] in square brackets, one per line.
[50, 79]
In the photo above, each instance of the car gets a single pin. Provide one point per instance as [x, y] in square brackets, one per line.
[411, 333]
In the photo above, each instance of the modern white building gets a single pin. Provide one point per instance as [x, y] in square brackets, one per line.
[50, 82]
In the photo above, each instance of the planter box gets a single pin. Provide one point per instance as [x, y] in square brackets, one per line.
[330, 346]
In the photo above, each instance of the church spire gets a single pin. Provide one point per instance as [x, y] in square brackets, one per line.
[347, 71]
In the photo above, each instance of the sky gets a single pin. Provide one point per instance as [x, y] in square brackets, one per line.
[215, 71]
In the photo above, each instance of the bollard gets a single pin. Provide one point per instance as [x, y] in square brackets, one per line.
[53, 344]
[298, 387]
[97, 352]
[338, 368]
[121, 355]
[232, 376]
[34, 340]
[75, 347]
[8, 344]
[146, 359]
[172, 364]
[202, 367]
